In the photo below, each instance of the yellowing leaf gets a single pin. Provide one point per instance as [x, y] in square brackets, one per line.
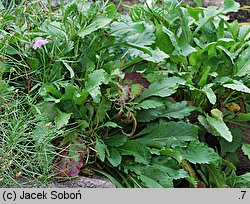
[216, 113]
[234, 107]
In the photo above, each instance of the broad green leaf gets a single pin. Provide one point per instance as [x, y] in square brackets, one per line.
[170, 166]
[70, 90]
[155, 55]
[238, 86]
[209, 14]
[206, 125]
[136, 149]
[62, 119]
[103, 107]
[116, 140]
[33, 63]
[246, 149]
[243, 63]
[53, 90]
[187, 49]
[220, 128]
[148, 115]
[194, 12]
[80, 96]
[165, 131]
[227, 52]
[231, 147]
[138, 33]
[162, 88]
[95, 79]
[198, 153]
[173, 40]
[163, 40]
[149, 104]
[229, 6]
[98, 23]
[114, 157]
[244, 32]
[149, 182]
[100, 148]
[242, 117]
[178, 110]
[152, 176]
[172, 153]
[138, 36]
[243, 181]
[210, 94]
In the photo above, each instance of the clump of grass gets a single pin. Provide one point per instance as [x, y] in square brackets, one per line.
[26, 142]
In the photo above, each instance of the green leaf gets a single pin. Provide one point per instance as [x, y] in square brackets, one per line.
[53, 90]
[238, 86]
[210, 94]
[149, 104]
[242, 117]
[178, 110]
[187, 49]
[164, 45]
[138, 33]
[231, 147]
[62, 119]
[229, 6]
[138, 36]
[116, 140]
[103, 107]
[136, 149]
[243, 181]
[80, 97]
[111, 124]
[97, 23]
[148, 115]
[162, 88]
[100, 148]
[204, 77]
[220, 128]
[246, 149]
[149, 182]
[95, 79]
[165, 131]
[209, 14]
[206, 125]
[172, 153]
[114, 157]
[215, 177]
[71, 71]
[70, 90]
[173, 40]
[156, 55]
[198, 153]
[170, 166]
[243, 63]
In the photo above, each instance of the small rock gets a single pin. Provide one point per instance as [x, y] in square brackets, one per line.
[84, 182]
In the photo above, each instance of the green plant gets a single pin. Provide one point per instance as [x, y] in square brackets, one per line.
[147, 99]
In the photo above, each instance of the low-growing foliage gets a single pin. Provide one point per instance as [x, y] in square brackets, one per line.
[153, 98]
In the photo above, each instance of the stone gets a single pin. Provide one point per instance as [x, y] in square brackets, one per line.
[84, 182]
[78, 182]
